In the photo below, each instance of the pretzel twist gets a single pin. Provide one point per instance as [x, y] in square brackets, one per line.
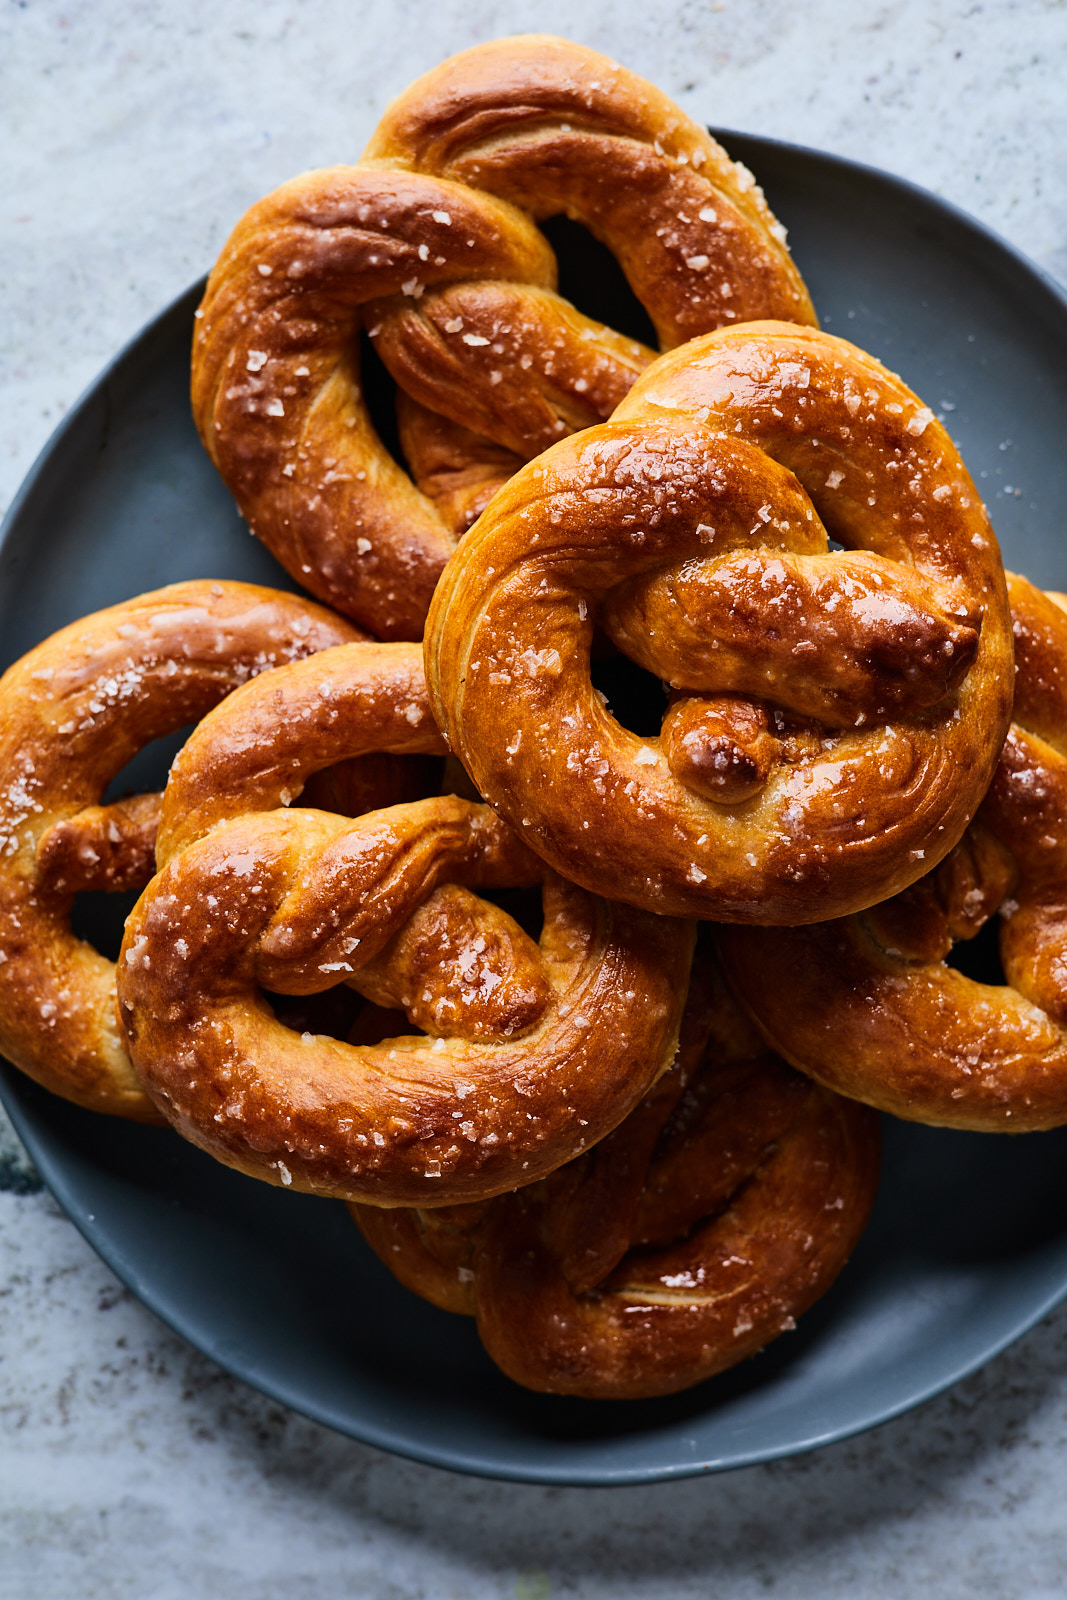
[73, 712]
[868, 1004]
[530, 1051]
[431, 243]
[834, 716]
[699, 1230]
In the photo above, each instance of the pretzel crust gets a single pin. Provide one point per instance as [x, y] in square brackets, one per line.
[73, 712]
[698, 1231]
[835, 716]
[868, 1005]
[431, 244]
[530, 1050]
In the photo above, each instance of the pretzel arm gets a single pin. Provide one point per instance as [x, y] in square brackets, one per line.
[108, 847]
[375, 873]
[276, 385]
[520, 367]
[457, 469]
[870, 640]
[459, 966]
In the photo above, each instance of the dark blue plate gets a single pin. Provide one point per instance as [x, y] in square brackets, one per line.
[968, 1245]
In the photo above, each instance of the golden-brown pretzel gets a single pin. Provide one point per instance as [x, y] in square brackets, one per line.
[835, 716]
[868, 1005]
[431, 243]
[534, 1049]
[73, 712]
[717, 1213]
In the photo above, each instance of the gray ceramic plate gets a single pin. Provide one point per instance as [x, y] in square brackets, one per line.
[968, 1245]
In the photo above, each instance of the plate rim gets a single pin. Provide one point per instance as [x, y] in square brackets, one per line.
[372, 1434]
[454, 1460]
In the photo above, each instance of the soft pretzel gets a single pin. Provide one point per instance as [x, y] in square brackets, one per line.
[530, 1050]
[72, 714]
[431, 244]
[834, 716]
[868, 1004]
[698, 1231]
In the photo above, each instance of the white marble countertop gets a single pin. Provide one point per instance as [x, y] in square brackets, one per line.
[133, 138]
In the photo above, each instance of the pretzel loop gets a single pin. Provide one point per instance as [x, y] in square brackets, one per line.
[551, 127]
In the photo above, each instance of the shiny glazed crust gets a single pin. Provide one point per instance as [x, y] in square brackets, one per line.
[868, 1004]
[530, 1051]
[834, 717]
[73, 712]
[430, 243]
[698, 1231]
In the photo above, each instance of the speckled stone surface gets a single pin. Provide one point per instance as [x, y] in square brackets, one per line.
[133, 137]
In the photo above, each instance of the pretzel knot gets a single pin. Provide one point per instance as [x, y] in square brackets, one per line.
[869, 1005]
[698, 1231]
[834, 715]
[72, 714]
[529, 1050]
[431, 243]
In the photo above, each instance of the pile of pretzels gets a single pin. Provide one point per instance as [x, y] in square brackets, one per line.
[587, 1018]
